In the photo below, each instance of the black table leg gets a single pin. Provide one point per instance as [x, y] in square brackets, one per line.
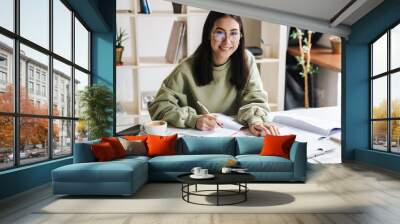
[245, 193]
[217, 194]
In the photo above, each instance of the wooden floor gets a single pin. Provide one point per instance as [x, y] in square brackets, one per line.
[378, 188]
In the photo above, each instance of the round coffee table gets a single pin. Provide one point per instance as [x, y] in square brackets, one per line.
[238, 179]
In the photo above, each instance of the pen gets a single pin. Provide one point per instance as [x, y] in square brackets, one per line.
[204, 108]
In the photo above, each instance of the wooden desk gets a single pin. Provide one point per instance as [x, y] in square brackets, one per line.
[322, 57]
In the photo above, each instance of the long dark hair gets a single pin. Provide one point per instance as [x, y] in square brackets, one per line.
[203, 63]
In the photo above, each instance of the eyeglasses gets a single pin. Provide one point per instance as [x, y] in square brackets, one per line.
[219, 35]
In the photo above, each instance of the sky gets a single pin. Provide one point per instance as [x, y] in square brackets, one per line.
[34, 26]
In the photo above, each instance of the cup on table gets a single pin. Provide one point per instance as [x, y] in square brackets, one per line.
[196, 170]
[203, 172]
[226, 170]
[157, 127]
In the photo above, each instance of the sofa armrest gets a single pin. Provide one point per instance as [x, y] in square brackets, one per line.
[83, 152]
[298, 155]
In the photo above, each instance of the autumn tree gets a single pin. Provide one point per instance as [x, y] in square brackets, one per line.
[33, 130]
[380, 127]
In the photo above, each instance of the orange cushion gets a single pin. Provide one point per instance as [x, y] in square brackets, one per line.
[161, 145]
[135, 137]
[116, 145]
[103, 151]
[277, 145]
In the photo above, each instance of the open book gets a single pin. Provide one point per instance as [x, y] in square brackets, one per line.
[311, 124]
[230, 127]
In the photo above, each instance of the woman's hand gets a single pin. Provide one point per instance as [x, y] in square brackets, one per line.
[207, 122]
[261, 129]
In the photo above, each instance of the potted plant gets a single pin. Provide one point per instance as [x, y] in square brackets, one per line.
[96, 102]
[120, 38]
[304, 59]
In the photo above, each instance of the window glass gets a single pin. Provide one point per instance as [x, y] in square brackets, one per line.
[35, 21]
[379, 56]
[379, 135]
[81, 131]
[6, 142]
[6, 74]
[7, 14]
[39, 62]
[395, 47]
[395, 95]
[34, 80]
[62, 91]
[62, 138]
[81, 45]
[81, 81]
[33, 140]
[62, 29]
[395, 136]
[379, 97]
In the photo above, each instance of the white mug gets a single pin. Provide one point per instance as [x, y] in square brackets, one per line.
[226, 170]
[203, 172]
[155, 127]
[196, 170]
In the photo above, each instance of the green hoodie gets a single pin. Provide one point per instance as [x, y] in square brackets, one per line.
[176, 100]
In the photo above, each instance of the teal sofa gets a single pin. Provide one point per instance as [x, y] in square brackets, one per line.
[125, 176]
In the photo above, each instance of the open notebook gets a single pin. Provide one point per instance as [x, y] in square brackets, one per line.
[312, 124]
[230, 128]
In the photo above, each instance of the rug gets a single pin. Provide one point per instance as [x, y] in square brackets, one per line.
[167, 198]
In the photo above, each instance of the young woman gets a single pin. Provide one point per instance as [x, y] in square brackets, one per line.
[222, 76]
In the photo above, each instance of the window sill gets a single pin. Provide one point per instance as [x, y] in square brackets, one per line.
[26, 167]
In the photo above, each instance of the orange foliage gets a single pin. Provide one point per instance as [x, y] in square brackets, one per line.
[380, 111]
[33, 130]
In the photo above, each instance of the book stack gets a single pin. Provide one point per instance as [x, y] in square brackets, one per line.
[176, 44]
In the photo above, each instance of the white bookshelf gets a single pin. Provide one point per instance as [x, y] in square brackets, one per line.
[144, 65]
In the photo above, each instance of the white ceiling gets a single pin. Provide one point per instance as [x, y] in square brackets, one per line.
[316, 15]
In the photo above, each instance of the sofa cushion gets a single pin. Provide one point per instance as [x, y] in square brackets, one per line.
[135, 137]
[161, 145]
[257, 163]
[249, 145]
[277, 145]
[103, 152]
[116, 145]
[185, 163]
[207, 145]
[111, 171]
[134, 147]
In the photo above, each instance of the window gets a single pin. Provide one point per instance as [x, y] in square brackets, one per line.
[7, 14]
[3, 78]
[3, 61]
[30, 72]
[38, 89]
[81, 45]
[62, 29]
[62, 75]
[385, 94]
[35, 22]
[44, 91]
[3, 72]
[54, 125]
[37, 74]
[30, 87]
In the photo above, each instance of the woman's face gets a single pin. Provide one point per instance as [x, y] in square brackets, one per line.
[225, 37]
